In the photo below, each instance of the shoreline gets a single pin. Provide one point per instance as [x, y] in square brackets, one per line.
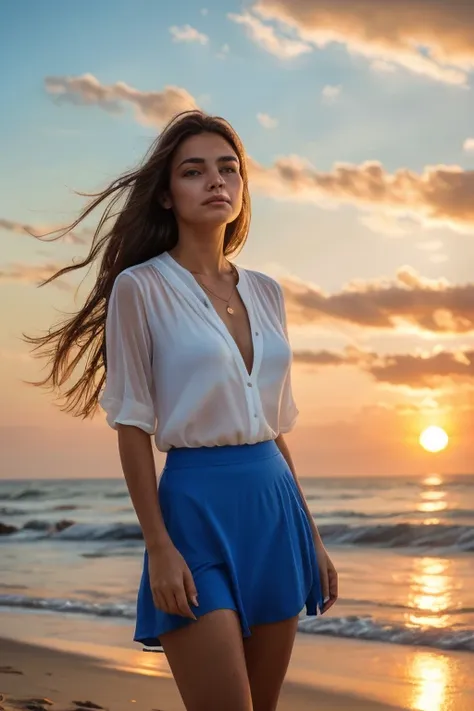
[66, 678]
[324, 672]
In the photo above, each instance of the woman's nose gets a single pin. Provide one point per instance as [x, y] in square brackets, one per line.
[217, 181]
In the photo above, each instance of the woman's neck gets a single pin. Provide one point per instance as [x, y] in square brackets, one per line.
[202, 256]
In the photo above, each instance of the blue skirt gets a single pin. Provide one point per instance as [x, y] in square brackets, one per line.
[236, 516]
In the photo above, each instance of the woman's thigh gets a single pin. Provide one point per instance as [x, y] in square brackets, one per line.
[208, 663]
[267, 653]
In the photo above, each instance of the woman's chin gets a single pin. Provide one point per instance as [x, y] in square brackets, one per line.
[213, 221]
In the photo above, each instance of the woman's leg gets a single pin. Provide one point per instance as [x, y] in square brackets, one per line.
[267, 655]
[208, 663]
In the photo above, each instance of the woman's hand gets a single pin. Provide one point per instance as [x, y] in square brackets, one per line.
[328, 576]
[171, 581]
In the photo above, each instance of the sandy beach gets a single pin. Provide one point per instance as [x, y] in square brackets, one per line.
[36, 678]
[400, 636]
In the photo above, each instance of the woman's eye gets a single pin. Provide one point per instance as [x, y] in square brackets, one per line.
[192, 172]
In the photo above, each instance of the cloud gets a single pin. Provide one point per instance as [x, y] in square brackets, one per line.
[152, 107]
[331, 93]
[267, 121]
[469, 145]
[438, 258]
[408, 301]
[432, 38]
[223, 52]
[430, 246]
[412, 370]
[22, 228]
[433, 247]
[33, 274]
[441, 195]
[186, 33]
[387, 224]
[268, 38]
[382, 67]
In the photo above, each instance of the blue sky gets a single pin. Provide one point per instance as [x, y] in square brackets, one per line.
[349, 102]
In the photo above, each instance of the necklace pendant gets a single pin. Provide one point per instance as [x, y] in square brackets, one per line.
[230, 310]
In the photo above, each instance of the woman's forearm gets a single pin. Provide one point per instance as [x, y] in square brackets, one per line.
[283, 447]
[136, 456]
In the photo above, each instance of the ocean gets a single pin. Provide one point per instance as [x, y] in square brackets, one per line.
[403, 549]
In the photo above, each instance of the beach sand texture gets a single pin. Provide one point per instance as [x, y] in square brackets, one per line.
[35, 678]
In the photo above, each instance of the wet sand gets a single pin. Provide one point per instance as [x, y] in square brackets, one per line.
[37, 678]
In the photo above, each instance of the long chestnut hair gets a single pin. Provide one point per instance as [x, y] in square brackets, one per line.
[139, 230]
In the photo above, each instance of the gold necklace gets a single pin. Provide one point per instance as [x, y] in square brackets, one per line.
[229, 309]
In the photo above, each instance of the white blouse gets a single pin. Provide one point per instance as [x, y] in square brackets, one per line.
[175, 371]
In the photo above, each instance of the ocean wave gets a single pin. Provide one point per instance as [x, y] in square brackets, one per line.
[457, 513]
[76, 607]
[389, 515]
[357, 602]
[67, 530]
[349, 627]
[401, 535]
[29, 493]
[22, 494]
[397, 535]
[366, 628]
[10, 511]
[349, 513]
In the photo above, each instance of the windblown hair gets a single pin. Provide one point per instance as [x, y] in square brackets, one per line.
[142, 229]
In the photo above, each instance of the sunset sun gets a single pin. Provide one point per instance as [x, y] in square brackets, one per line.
[434, 439]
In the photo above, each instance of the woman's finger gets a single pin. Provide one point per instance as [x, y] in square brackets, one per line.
[190, 587]
[159, 600]
[333, 589]
[182, 605]
[333, 585]
[323, 573]
[168, 603]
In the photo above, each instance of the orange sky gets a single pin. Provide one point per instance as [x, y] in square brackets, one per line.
[361, 163]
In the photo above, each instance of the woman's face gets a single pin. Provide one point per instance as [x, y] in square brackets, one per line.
[205, 182]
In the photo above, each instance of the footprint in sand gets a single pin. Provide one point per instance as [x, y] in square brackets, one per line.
[10, 670]
[28, 704]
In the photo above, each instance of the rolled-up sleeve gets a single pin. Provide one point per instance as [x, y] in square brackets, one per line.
[127, 397]
[288, 410]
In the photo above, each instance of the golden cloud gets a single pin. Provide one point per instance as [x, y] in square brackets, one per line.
[33, 274]
[269, 38]
[432, 38]
[414, 370]
[408, 300]
[22, 228]
[152, 107]
[441, 194]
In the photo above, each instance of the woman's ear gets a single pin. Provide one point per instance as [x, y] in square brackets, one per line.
[165, 200]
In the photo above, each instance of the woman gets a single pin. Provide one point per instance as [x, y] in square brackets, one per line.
[194, 351]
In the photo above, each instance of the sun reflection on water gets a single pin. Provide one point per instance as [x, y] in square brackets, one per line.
[431, 677]
[433, 500]
[430, 596]
[431, 601]
[148, 664]
[432, 480]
